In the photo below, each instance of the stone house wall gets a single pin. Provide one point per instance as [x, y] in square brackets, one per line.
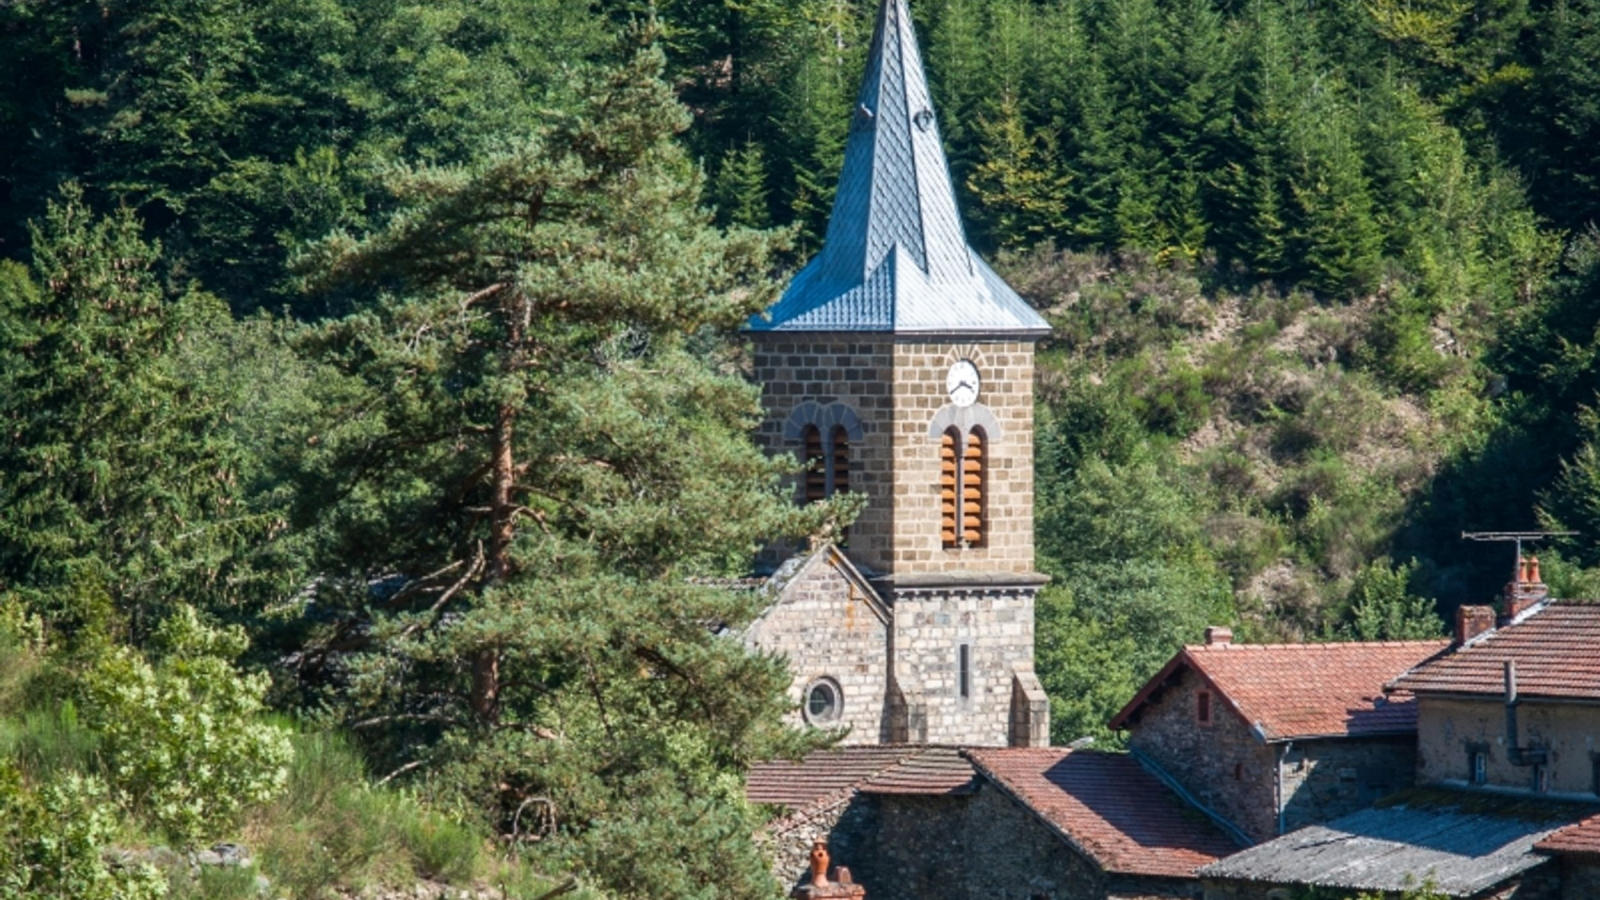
[981, 846]
[1448, 730]
[1580, 878]
[1326, 779]
[1223, 765]
[828, 627]
[1006, 370]
[929, 627]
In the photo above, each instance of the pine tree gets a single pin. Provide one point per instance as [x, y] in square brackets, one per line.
[1021, 199]
[741, 187]
[540, 453]
[121, 495]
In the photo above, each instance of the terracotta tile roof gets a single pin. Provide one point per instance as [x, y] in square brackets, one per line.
[1109, 807]
[1556, 648]
[1582, 838]
[937, 771]
[1293, 691]
[873, 768]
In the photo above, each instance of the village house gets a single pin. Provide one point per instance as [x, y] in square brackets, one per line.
[1508, 737]
[1267, 738]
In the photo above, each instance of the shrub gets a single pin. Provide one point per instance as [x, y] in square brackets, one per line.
[182, 740]
[51, 841]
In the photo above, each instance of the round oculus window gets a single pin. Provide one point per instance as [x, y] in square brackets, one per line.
[823, 702]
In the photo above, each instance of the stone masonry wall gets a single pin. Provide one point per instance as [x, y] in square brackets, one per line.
[929, 626]
[1326, 779]
[1580, 879]
[1223, 764]
[1006, 370]
[982, 846]
[827, 628]
[854, 369]
[1446, 728]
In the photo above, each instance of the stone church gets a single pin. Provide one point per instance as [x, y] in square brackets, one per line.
[900, 366]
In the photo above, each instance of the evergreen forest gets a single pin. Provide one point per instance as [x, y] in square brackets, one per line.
[375, 425]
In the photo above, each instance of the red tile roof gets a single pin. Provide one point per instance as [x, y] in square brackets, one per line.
[1109, 807]
[1583, 838]
[874, 768]
[1556, 648]
[937, 771]
[1294, 691]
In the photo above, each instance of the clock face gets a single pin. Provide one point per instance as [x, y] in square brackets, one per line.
[962, 383]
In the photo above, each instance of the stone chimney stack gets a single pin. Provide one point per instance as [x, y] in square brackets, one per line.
[1218, 636]
[1472, 621]
[817, 886]
[1527, 590]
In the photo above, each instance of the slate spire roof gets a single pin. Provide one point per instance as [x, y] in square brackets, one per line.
[895, 258]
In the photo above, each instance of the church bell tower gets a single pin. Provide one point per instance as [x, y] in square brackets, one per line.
[901, 367]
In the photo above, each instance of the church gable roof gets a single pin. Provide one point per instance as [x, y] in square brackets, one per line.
[802, 567]
[895, 258]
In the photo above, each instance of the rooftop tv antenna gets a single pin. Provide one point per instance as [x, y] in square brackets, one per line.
[1514, 536]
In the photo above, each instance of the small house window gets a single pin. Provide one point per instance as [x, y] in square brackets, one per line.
[1202, 707]
[824, 702]
[964, 670]
[1541, 779]
[1480, 767]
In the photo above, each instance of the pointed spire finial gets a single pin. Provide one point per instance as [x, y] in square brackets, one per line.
[895, 257]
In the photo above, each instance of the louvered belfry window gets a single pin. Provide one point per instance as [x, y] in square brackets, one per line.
[816, 477]
[961, 483]
[949, 488]
[972, 511]
[841, 460]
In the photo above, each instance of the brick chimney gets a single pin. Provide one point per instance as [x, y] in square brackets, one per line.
[1472, 621]
[1526, 590]
[817, 886]
[1218, 636]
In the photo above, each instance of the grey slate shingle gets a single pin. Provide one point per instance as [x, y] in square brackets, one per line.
[895, 258]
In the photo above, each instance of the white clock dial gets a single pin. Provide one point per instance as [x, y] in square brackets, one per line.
[962, 383]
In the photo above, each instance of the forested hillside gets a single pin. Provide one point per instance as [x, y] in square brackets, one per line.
[370, 378]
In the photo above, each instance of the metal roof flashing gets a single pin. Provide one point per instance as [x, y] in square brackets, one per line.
[895, 258]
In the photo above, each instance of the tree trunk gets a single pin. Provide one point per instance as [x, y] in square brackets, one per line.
[503, 511]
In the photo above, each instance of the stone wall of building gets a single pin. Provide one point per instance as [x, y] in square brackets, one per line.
[853, 369]
[1326, 779]
[831, 627]
[1223, 765]
[1006, 370]
[930, 626]
[982, 846]
[1580, 878]
[1449, 730]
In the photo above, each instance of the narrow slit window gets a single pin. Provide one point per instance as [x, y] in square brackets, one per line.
[972, 484]
[964, 670]
[1202, 707]
[1480, 767]
[816, 477]
[949, 489]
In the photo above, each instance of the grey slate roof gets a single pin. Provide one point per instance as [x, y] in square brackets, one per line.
[895, 257]
[1467, 841]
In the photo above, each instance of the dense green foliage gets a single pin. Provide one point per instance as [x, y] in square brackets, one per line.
[397, 341]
